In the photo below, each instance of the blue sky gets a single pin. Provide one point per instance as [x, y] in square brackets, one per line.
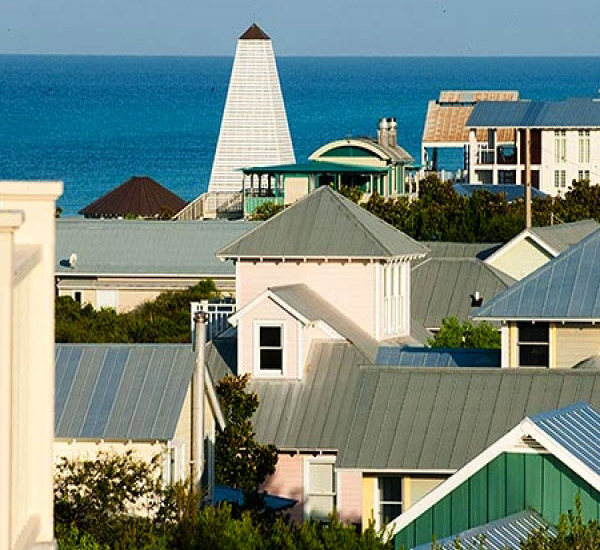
[302, 27]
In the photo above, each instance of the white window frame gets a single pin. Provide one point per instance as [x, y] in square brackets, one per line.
[268, 373]
[105, 293]
[307, 493]
[173, 463]
[393, 313]
[584, 146]
[560, 146]
[379, 503]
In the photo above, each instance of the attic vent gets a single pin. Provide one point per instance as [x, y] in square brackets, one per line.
[476, 299]
[73, 260]
[528, 444]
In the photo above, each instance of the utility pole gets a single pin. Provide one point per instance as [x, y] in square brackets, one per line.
[527, 178]
[198, 393]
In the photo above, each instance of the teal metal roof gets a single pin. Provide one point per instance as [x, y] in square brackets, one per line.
[324, 224]
[504, 534]
[120, 391]
[315, 167]
[565, 288]
[138, 247]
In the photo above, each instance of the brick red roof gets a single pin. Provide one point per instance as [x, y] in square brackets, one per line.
[254, 32]
[140, 196]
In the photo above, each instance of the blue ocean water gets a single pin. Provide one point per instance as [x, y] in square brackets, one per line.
[94, 121]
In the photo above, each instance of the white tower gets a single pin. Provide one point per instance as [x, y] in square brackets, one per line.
[254, 129]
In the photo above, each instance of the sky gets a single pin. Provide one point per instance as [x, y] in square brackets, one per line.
[302, 27]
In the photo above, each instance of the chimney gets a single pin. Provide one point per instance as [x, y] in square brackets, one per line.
[392, 132]
[383, 131]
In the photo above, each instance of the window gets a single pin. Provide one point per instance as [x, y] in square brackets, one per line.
[533, 344]
[270, 347]
[106, 298]
[392, 299]
[560, 146]
[173, 463]
[320, 489]
[77, 296]
[560, 178]
[390, 498]
[584, 146]
[583, 175]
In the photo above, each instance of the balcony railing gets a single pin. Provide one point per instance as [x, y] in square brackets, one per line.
[218, 313]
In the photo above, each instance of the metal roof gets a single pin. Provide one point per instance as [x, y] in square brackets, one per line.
[574, 427]
[313, 307]
[503, 534]
[472, 96]
[437, 357]
[563, 235]
[120, 391]
[569, 113]
[565, 288]
[315, 167]
[444, 286]
[452, 250]
[512, 191]
[324, 224]
[145, 248]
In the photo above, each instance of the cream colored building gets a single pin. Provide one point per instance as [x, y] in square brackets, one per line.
[27, 241]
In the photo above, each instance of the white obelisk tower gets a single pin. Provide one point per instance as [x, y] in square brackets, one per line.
[254, 129]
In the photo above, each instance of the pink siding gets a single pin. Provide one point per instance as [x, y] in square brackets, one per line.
[350, 287]
[288, 481]
[350, 496]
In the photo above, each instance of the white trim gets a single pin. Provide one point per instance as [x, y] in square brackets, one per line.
[268, 373]
[402, 471]
[505, 346]
[371, 147]
[322, 459]
[526, 233]
[378, 300]
[300, 358]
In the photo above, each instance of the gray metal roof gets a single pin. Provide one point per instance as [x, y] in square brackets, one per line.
[503, 534]
[120, 391]
[452, 250]
[324, 224]
[313, 307]
[439, 419]
[437, 357]
[574, 427]
[561, 236]
[395, 152]
[444, 286]
[566, 288]
[569, 113]
[138, 247]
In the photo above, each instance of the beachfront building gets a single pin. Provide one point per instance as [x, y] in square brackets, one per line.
[550, 318]
[27, 363]
[446, 127]
[564, 139]
[123, 263]
[372, 165]
[119, 398]
[522, 482]
[138, 197]
[254, 129]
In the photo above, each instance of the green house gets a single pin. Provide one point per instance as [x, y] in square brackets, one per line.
[528, 478]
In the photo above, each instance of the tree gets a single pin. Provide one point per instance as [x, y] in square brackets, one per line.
[241, 461]
[454, 334]
[266, 210]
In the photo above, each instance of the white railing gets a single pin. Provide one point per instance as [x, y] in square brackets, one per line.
[218, 313]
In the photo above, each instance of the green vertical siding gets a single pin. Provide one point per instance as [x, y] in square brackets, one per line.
[510, 483]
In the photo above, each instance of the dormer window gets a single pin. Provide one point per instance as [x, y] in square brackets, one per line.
[269, 347]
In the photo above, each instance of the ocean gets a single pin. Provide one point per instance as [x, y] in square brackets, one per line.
[94, 121]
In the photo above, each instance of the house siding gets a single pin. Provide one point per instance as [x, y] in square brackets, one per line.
[510, 483]
[288, 481]
[521, 259]
[575, 343]
[350, 496]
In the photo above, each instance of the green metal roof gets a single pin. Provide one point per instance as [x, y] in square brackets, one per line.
[324, 224]
[315, 167]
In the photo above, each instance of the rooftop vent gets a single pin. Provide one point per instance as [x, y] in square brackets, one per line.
[476, 299]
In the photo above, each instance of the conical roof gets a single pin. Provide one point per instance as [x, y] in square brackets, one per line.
[324, 224]
[140, 196]
[566, 288]
[254, 32]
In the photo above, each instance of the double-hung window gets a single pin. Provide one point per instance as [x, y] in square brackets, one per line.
[560, 178]
[534, 344]
[320, 489]
[560, 146]
[583, 175]
[392, 299]
[390, 498]
[584, 146]
[270, 347]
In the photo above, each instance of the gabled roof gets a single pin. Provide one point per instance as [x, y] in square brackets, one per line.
[569, 113]
[148, 248]
[139, 195]
[552, 430]
[504, 534]
[565, 288]
[309, 307]
[322, 225]
[254, 32]
[123, 391]
[561, 236]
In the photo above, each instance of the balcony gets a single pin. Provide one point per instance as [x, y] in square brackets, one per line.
[253, 198]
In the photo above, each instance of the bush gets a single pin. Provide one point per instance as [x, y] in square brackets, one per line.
[454, 334]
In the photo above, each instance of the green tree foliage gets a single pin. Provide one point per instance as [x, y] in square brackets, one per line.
[454, 334]
[163, 320]
[441, 214]
[241, 461]
[266, 210]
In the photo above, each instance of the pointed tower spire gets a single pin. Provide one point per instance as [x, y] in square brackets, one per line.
[254, 129]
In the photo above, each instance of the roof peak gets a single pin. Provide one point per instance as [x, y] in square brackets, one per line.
[254, 32]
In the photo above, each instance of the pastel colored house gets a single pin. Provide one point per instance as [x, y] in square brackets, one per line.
[550, 318]
[132, 397]
[27, 241]
[369, 164]
[123, 263]
[532, 473]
